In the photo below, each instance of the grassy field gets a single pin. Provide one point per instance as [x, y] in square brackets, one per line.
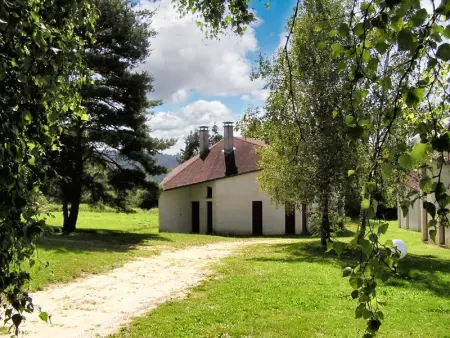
[104, 240]
[294, 290]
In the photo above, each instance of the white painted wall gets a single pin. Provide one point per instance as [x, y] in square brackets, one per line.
[414, 216]
[175, 210]
[232, 207]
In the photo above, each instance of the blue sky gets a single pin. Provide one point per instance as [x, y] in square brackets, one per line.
[204, 81]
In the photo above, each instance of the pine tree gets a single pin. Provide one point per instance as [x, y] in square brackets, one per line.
[111, 153]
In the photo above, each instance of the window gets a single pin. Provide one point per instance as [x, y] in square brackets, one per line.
[209, 192]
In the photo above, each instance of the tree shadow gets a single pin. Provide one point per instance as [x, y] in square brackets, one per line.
[424, 272]
[84, 240]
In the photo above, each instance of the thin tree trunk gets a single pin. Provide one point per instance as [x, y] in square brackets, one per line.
[325, 228]
[65, 213]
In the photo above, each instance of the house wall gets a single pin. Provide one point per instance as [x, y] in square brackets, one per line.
[232, 207]
[417, 217]
[414, 216]
[175, 210]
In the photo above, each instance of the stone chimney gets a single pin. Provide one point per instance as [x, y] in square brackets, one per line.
[228, 137]
[203, 135]
[228, 149]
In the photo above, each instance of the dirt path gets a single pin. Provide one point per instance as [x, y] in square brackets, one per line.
[100, 304]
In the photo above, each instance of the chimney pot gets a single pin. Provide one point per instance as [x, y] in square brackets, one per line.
[203, 140]
[228, 137]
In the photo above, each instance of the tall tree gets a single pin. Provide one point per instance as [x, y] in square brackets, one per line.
[115, 138]
[308, 156]
[192, 143]
[40, 70]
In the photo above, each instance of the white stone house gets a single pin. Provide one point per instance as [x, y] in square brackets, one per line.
[417, 218]
[217, 192]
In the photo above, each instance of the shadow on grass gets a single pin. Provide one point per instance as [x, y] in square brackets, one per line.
[424, 272]
[84, 240]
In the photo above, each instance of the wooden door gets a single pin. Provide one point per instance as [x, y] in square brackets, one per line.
[289, 219]
[257, 218]
[209, 218]
[195, 217]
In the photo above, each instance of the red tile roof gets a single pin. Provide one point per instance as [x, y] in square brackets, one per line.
[197, 170]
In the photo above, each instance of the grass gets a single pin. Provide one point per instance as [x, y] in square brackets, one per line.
[294, 290]
[104, 240]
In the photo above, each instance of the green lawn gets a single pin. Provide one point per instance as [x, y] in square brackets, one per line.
[104, 240]
[294, 290]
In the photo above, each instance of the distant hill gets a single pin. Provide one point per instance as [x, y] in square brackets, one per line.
[165, 160]
[168, 161]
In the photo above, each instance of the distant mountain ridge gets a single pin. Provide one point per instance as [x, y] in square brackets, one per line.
[165, 160]
[168, 161]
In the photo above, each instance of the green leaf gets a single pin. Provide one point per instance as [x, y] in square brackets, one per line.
[334, 32]
[386, 170]
[336, 49]
[35, 17]
[430, 208]
[32, 160]
[405, 161]
[443, 52]
[335, 113]
[347, 271]
[365, 204]
[419, 152]
[433, 235]
[426, 183]
[350, 172]
[355, 281]
[447, 32]
[321, 45]
[329, 246]
[343, 30]
[366, 247]
[397, 23]
[339, 247]
[405, 40]
[383, 228]
[349, 119]
[342, 65]
[388, 243]
[419, 17]
[359, 29]
[381, 47]
[44, 316]
[432, 224]
[355, 294]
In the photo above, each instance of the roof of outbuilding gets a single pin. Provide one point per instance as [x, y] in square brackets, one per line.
[213, 166]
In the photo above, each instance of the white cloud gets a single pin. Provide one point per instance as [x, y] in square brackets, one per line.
[183, 60]
[178, 124]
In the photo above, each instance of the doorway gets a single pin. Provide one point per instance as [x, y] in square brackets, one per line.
[289, 219]
[195, 217]
[257, 218]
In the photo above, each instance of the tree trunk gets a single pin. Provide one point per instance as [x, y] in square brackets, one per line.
[362, 229]
[341, 212]
[65, 214]
[325, 227]
[70, 219]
